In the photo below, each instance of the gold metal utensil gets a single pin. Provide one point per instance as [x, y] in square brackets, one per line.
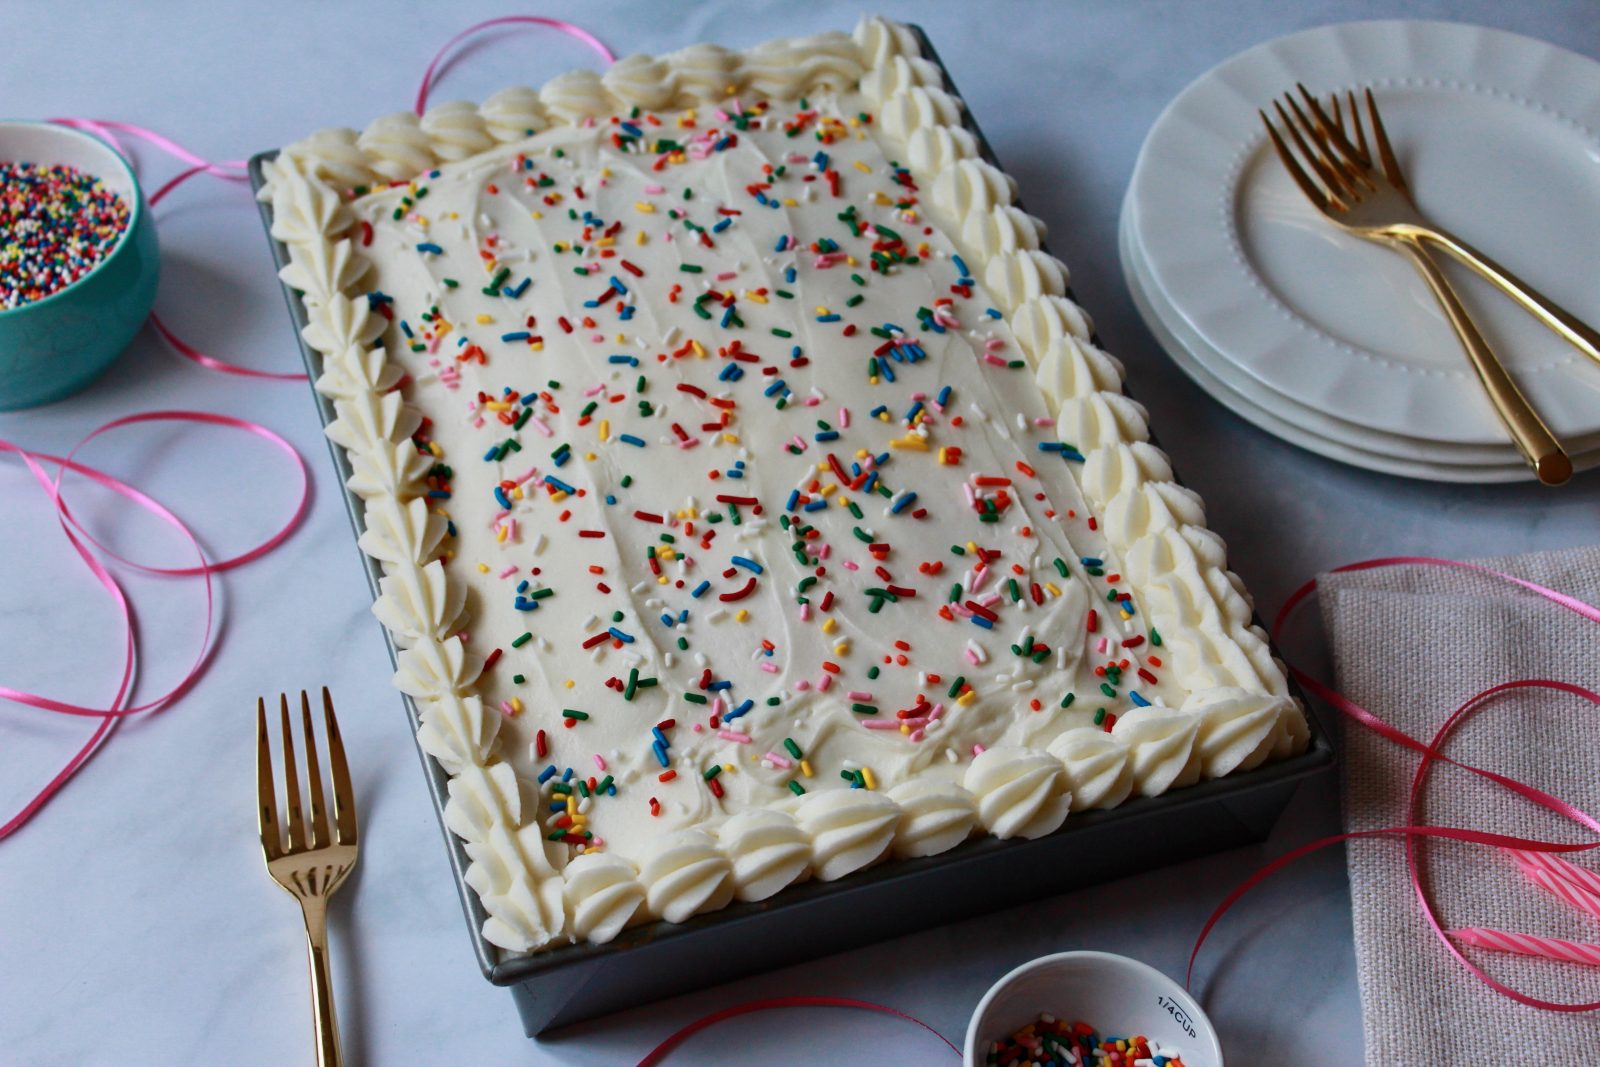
[1341, 179]
[309, 869]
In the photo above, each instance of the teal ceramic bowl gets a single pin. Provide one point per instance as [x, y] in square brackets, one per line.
[53, 347]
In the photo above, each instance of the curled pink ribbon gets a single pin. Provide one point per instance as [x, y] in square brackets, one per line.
[1431, 754]
[81, 540]
[441, 63]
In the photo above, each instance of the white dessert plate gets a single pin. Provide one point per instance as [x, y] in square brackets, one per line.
[1308, 427]
[1497, 134]
[1301, 426]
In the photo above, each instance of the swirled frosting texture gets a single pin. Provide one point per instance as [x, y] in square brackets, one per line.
[773, 777]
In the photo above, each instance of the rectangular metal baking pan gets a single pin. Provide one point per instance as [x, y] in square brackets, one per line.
[571, 983]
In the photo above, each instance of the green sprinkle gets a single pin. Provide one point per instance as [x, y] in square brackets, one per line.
[520, 641]
[574, 713]
[690, 268]
[955, 686]
[1108, 691]
[863, 709]
[695, 698]
[792, 748]
[1067, 700]
[796, 788]
[712, 771]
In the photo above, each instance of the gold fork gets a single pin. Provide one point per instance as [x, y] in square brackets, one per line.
[1360, 199]
[309, 870]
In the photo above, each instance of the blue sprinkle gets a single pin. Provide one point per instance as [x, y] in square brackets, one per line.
[827, 435]
[522, 287]
[616, 283]
[429, 246]
[661, 754]
[747, 564]
[782, 245]
[993, 313]
[961, 266]
[723, 225]
[1137, 699]
[625, 638]
[815, 505]
[730, 373]
[983, 622]
[559, 484]
[661, 738]
[718, 686]
[547, 774]
[628, 438]
[742, 709]
[788, 275]
[500, 495]
[774, 388]
[700, 590]
[632, 361]
[903, 501]
[794, 498]
[666, 619]
[516, 335]
[943, 399]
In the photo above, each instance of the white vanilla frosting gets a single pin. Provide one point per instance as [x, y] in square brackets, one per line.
[752, 502]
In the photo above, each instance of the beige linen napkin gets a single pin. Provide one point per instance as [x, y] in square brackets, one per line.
[1410, 644]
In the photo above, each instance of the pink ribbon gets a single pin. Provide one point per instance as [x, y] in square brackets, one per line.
[440, 63]
[659, 1053]
[1430, 753]
[81, 540]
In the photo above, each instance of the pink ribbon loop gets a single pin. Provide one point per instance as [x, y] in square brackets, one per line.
[441, 62]
[119, 706]
[1431, 754]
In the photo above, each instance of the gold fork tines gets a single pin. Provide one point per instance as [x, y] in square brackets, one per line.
[310, 870]
[1328, 157]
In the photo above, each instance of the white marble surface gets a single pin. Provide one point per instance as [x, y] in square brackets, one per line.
[136, 924]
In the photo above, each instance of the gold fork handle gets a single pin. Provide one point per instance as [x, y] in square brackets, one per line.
[1533, 438]
[1565, 324]
[327, 1022]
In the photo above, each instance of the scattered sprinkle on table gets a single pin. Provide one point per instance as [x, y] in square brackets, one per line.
[57, 224]
[1049, 1042]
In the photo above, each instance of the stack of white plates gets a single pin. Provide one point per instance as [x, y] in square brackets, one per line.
[1334, 343]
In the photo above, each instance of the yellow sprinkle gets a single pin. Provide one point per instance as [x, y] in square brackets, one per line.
[639, 238]
[866, 776]
[589, 456]
[643, 208]
[966, 698]
[805, 767]
[850, 260]
[536, 214]
[570, 683]
[699, 349]
[873, 380]
[500, 534]
[661, 579]
[829, 624]
[516, 494]
[1052, 587]
[790, 201]
[842, 648]
[742, 615]
[730, 438]
[516, 705]
[911, 441]
[561, 494]
[483, 568]
[754, 297]
[822, 310]
[605, 429]
[862, 167]
[498, 405]
[728, 768]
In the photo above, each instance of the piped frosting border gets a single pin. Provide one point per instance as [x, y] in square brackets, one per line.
[1239, 713]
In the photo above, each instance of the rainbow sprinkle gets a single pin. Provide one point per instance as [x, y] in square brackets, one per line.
[56, 225]
[1049, 1042]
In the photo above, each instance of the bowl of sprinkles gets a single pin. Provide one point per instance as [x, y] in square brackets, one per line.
[79, 262]
[1089, 1009]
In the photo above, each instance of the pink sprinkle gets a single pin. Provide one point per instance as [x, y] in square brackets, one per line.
[813, 401]
[599, 761]
[597, 338]
[825, 683]
[697, 728]
[992, 344]
[771, 667]
[509, 571]
[972, 657]
[595, 390]
[734, 735]
[880, 724]
[977, 750]
[1043, 421]
[851, 565]
[655, 190]
[802, 685]
[1101, 647]
[506, 709]
[857, 694]
[777, 760]
[916, 735]
[727, 275]
[717, 705]
[844, 418]
[805, 612]
[477, 423]
[540, 425]
[824, 261]
[991, 358]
